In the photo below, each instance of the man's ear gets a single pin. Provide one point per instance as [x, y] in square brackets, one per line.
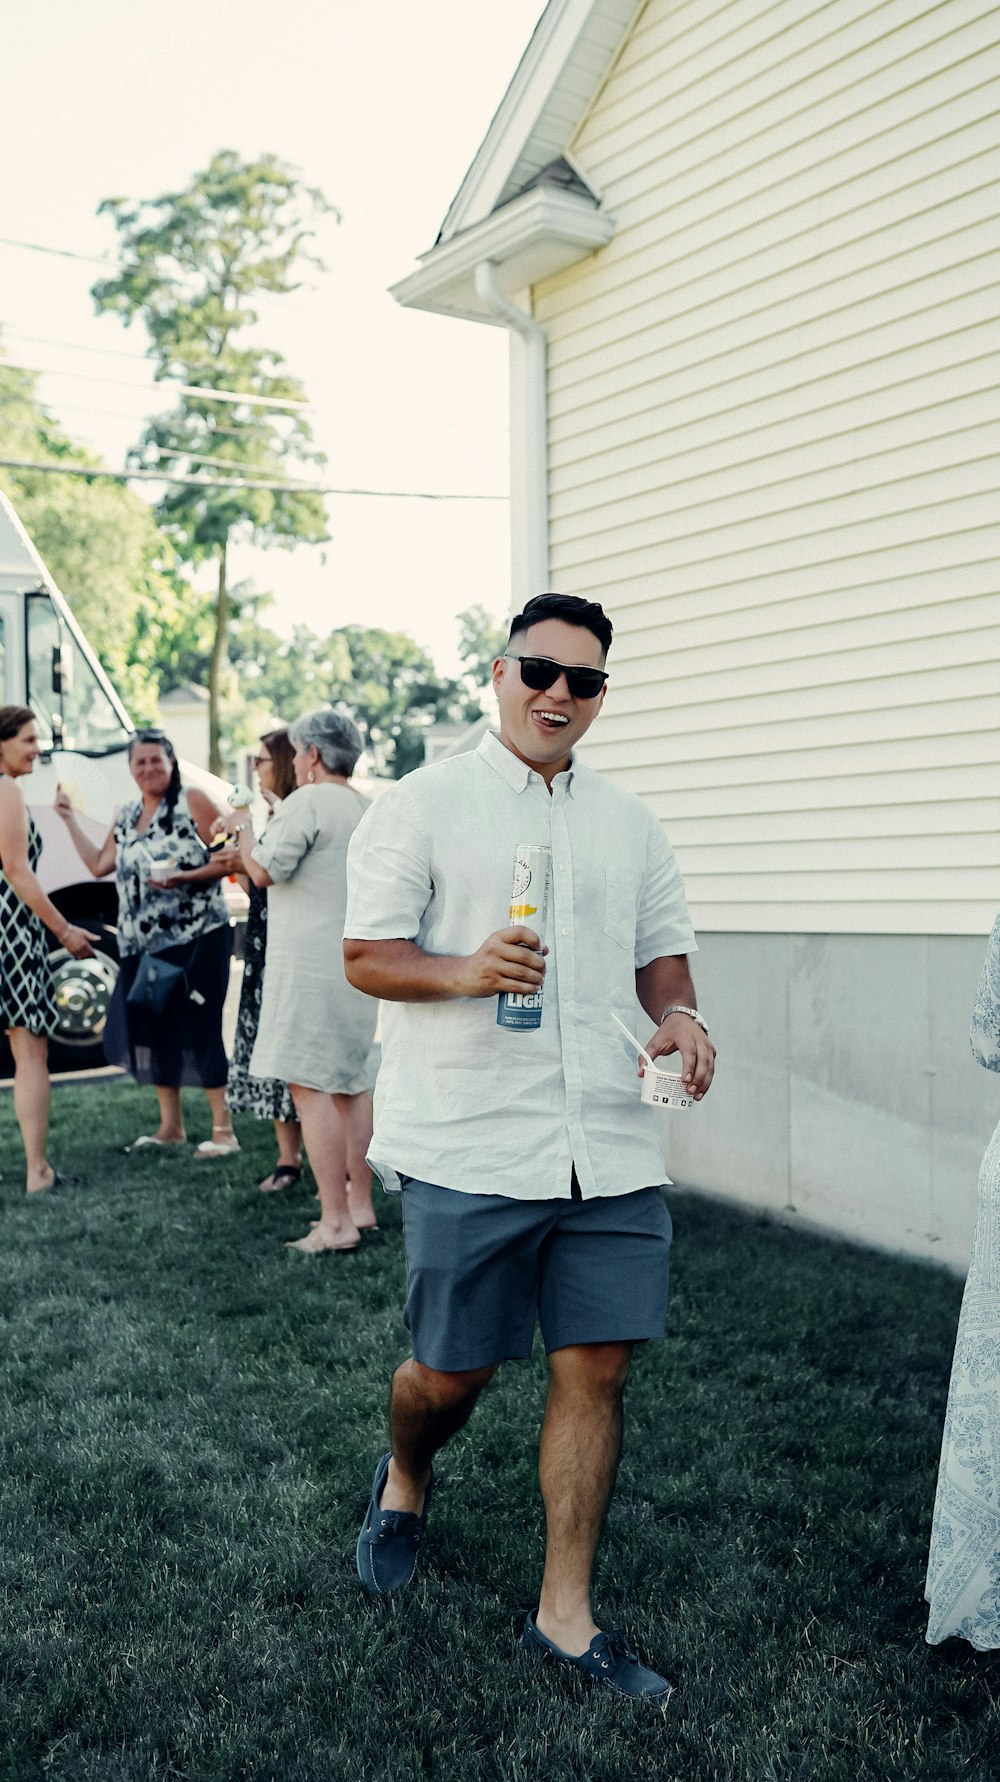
[499, 671]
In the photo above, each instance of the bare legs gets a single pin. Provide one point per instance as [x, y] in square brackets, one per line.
[326, 1145]
[356, 1114]
[171, 1128]
[31, 1103]
[425, 1409]
[577, 1463]
[578, 1459]
[288, 1134]
[222, 1119]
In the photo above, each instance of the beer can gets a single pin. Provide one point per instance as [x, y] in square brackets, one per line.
[529, 898]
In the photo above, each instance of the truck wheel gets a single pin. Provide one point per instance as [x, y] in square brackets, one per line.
[83, 989]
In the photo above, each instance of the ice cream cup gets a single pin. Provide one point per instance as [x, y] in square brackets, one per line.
[662, 1087]
[665, 1088]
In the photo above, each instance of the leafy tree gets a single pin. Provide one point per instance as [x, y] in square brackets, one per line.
[100, 541]
[190, 264]
[481, 639]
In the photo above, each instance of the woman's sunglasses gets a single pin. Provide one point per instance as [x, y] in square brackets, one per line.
[539, 673]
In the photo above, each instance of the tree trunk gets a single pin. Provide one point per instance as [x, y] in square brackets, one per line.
[215, 665]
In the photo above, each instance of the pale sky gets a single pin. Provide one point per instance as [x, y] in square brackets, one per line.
[382, 104]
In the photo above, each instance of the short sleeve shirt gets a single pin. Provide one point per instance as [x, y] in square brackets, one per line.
[461, 1101]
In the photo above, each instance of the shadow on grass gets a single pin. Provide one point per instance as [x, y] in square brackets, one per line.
[191, 1420]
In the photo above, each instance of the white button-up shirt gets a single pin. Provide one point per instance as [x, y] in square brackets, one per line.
[461, 1101]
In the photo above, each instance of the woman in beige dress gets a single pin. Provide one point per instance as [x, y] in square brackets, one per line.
[315, 1030]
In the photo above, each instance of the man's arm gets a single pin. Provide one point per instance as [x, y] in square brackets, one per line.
[658, 985]
[400, 971]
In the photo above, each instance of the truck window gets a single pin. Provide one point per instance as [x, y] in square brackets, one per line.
[78, 713]
[43, 638]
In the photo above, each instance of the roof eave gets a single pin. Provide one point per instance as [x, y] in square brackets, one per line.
[566, 31]
[529, 239]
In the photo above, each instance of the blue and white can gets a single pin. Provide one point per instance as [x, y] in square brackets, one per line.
[529, 902]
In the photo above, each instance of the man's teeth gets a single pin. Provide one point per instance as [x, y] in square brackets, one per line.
[553, 717]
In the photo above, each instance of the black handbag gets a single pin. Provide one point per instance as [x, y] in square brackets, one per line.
[154, 983]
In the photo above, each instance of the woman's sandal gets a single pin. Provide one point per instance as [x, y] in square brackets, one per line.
[212, 1148]
[316, 1245]
[282, 1176]
[59, 1180]
[146, 1139]
[368, 1232]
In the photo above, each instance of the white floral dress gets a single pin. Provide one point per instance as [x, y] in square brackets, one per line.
[963, 1572]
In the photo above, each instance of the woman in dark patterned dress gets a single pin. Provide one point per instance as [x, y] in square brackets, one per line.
[27, 1005]
[265, 1097]
[170, 903]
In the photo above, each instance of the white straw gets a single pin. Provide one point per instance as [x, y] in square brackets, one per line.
[631, 1036]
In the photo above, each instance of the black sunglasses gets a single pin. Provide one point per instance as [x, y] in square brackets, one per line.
[539, 673]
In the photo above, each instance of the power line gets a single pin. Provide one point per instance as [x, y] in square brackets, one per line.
[139, 358]
[199, 482]
[168, 384]
[39, 247]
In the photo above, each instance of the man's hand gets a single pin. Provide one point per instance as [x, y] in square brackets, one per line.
[680, 1034]
[511, 960]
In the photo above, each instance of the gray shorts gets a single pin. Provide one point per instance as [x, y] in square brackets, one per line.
[480, 1268]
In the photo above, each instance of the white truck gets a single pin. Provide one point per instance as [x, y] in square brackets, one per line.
[47, 664]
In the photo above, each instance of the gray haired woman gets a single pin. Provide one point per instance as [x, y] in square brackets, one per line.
[315, 1030]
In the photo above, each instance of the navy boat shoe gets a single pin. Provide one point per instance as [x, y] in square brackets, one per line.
[607, 1661]
[389, 1542]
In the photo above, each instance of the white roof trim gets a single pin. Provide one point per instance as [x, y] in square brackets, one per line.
[531, 238]
[574, 39]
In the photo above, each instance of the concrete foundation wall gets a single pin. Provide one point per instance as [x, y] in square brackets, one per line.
[847, 1094]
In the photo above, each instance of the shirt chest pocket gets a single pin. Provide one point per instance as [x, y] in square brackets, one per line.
[621, 892]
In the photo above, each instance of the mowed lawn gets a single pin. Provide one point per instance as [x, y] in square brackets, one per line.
[191, 1417]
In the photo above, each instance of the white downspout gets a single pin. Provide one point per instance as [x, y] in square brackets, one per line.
[529, 481]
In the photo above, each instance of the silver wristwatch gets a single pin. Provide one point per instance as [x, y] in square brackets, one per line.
[678, 1008]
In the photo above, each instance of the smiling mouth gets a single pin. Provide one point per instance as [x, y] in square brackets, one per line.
[551, 720]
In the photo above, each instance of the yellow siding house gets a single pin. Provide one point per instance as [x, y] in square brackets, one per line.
[748, 254]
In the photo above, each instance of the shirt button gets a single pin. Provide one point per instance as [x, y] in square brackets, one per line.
[564, 931]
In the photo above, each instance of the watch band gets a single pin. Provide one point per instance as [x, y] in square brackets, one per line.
[678, 1008]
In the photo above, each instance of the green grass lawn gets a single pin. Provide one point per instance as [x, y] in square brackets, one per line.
[191, 1418]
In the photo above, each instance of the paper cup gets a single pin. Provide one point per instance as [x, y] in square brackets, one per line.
[162, 868]
[664, 1088]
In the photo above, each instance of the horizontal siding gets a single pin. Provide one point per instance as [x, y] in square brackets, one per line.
[774, 437]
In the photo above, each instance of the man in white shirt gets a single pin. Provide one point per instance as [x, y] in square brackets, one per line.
[531, 1170]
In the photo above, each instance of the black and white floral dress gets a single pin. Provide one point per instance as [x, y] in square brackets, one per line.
[266, 1097]
[26, 994]
[188, 926]
[963, 1573]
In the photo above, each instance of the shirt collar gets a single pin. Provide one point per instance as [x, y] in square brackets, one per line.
[511, 768]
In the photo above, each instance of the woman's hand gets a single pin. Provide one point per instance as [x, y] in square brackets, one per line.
[223, 824]
[77, 941]
[61, 804]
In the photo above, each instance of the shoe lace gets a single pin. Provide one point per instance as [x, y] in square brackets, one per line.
[390, 1522]
[615, 1650]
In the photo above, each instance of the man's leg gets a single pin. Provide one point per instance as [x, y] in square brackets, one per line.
[577, 1463]
[425, 1410]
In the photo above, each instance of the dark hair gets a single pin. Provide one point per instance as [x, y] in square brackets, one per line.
[588, 614]
[173, 790]
[12, 719]
[282, 761]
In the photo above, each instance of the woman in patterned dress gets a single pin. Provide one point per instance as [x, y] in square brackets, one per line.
[963, 1572]
[170, 903]
[267, 1098]
[27, 1006]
